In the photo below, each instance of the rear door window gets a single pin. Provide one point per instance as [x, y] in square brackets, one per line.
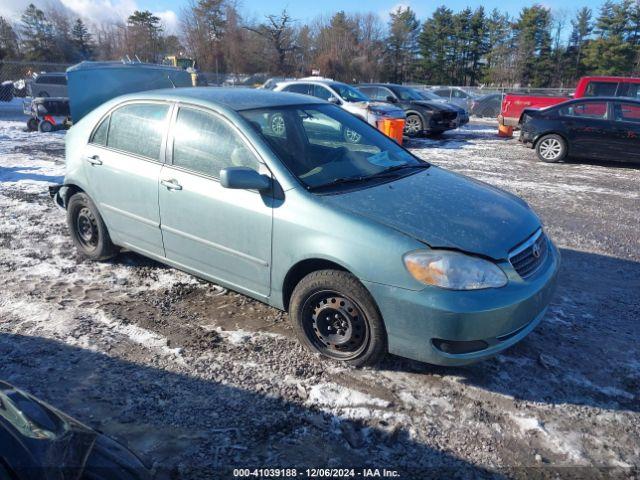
[99, 136]
[595, 110]
[138, 128]
[302, 88]
[627, 112]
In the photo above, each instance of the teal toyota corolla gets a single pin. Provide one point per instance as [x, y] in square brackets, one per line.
[299, 204]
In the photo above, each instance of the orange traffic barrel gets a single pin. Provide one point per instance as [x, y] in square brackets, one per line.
[505, 131]
[392, 127]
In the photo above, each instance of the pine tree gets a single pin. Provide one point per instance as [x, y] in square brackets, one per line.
[38, 41]
[533, 40]
[144, 29]
[82, 40]
[8, 40]
[402, 45]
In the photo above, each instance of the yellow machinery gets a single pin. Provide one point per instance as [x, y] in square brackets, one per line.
[183, 63]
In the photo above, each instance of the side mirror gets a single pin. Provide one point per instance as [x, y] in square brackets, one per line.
[244, 178]
[391, 99]
[334, 100]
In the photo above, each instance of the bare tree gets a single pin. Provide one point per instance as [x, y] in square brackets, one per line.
[279, 33]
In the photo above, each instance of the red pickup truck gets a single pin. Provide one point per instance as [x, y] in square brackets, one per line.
[513, 103]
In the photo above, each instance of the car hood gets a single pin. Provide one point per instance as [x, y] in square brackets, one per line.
[446, 210]
[434, 105]
[377, 106]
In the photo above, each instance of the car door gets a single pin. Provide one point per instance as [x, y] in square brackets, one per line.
[588, 127]
[123, 163]
[626, 136]
[217, 233]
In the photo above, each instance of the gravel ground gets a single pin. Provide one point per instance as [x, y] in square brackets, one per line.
[199, 380]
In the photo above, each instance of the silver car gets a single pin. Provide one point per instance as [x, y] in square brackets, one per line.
[346, 97]
[53, 84]
[370, 249]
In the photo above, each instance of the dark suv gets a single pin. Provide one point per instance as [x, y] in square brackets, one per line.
[424, 117]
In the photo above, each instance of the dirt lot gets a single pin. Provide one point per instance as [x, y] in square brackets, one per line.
[200, 380]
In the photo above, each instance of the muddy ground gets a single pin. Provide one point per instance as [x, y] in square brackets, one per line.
[199, 380]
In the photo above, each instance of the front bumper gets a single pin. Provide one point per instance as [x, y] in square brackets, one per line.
[420, 323]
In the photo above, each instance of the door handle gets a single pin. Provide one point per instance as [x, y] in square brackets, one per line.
[94, 160]
[171, 184]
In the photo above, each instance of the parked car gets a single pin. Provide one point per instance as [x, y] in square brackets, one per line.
[423, 117]
[455, 95]
[487, 105]
[463, 115]
[606, 128]
[52, 84]
[369, 248]
[38, 442]
[514, 104]
[345, 96]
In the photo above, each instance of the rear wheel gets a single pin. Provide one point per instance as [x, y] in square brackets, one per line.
[335, 315]
[32, 124]
[551, 148]
[88, 231]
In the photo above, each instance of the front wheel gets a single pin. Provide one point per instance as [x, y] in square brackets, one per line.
[45, 126]
[334, 314]
[413, 125]
[32, 124]
[88, 231]
[551, 148]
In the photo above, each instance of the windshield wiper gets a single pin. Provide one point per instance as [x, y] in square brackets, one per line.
[388, 173]
[404, 166]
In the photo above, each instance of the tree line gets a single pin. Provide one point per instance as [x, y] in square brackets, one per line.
[470, 47]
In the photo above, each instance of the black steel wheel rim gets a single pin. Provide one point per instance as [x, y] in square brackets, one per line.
[87, 229]
[335, 325]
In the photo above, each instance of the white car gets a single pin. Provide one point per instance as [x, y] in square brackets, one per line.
[347, 97]
[52, 84]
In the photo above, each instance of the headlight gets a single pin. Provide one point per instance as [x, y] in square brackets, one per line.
[453, 270]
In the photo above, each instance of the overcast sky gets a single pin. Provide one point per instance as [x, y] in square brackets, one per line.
[97, 11]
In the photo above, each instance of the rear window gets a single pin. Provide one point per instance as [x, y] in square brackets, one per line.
[52, 79]
[585, 110]
[138, 129]
[601, 89]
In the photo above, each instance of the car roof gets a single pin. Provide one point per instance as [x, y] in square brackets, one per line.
[319, 81]
[602, 99]
[232, 98]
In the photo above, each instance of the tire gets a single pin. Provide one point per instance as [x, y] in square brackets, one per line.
[551, 148]
[45, 126]
[87, 229]
[334, 314]
[32, 124]
[413, 125]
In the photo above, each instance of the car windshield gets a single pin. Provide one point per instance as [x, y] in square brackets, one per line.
[407, 93]
[349, 94]
[429, 95]
[327, 148]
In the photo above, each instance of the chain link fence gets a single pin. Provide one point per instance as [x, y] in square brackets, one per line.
[15, 75]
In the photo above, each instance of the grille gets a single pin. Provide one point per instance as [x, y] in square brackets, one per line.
[449, 115]
[531, 255]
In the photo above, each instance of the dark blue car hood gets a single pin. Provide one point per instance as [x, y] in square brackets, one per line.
[446, 210]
